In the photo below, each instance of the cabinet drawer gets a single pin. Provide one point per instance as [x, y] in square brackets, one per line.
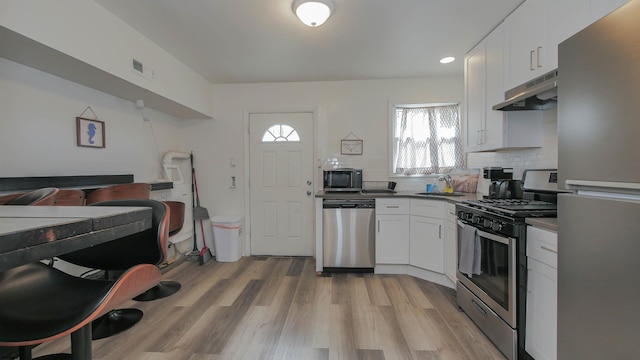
[430, 208]
[392, 206]
[542, 245]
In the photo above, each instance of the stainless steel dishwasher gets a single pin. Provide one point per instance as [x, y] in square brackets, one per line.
[349, 234]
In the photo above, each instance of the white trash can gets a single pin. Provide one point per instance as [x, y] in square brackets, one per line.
[226, 237]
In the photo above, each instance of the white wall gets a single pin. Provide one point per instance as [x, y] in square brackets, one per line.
[87, 32]
[545, 157]
[38, 129]
[360, 107]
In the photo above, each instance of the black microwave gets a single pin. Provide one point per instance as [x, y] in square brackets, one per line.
[342, 180]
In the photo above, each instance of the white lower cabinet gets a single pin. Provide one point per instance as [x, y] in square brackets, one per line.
[392, 231]
[450, 242]
[542, 294]
[427, 235]
[392, 239]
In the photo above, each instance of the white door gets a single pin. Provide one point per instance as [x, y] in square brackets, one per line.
[281, 183]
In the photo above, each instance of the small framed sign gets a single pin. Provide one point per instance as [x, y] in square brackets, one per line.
[90, 132]
[351, 147]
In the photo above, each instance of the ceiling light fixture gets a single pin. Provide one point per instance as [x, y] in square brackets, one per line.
[313, 12]
[446, 60]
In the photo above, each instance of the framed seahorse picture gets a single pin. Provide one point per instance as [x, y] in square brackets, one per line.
[90, 132]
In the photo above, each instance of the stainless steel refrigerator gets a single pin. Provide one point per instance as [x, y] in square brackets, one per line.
[599, 160]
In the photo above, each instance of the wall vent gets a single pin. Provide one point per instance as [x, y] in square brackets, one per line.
[142, 70]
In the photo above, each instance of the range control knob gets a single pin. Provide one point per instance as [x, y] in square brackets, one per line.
[487, 223]
[476, 219]
[461, 214]
[497, 226]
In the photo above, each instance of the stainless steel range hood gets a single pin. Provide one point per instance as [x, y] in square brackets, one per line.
[537, 94]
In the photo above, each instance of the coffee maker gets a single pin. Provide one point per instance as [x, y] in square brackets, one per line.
[502, 184]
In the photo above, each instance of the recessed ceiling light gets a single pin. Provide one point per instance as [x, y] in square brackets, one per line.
[447, 60]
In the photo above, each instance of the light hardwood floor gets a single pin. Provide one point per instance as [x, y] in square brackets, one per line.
[279, 308]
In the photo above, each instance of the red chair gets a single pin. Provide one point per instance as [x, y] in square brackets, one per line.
[122, 191]
[69, 197]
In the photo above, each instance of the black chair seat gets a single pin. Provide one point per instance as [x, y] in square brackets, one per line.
[51, 302]
[39, 303]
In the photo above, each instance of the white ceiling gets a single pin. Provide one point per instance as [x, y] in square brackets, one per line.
[247, 41]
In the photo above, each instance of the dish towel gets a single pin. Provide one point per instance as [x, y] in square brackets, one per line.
[470, 252]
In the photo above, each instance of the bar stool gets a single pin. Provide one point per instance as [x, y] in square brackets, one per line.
[177, 216]
[115, 256]
[44, 196]
[121, 191]
[70, 197]
[5, 198]
[39, 304]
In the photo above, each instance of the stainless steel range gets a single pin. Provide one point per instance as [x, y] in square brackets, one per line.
[492, 262]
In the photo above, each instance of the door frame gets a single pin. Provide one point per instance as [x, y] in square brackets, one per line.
[247, 164]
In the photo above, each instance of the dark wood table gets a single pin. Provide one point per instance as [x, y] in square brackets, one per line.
[33, 233]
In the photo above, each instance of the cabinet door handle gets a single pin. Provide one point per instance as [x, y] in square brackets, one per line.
[439, 231]
[479, 137]
[549, 249]
[393, 206]
[531, 60]
[378, 225]
[538, 56]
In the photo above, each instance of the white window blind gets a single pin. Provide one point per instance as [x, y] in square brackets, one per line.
[426, 139]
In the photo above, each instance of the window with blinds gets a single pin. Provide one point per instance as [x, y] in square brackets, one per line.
[426, 139]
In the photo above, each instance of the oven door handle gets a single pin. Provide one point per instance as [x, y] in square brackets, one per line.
[500, 239]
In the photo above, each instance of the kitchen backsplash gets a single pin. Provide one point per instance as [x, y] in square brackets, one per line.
[375, 169]
[545, 157]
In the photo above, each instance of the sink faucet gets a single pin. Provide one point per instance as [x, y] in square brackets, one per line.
[447, 179]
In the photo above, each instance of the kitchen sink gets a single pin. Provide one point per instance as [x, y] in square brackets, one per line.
[455, 193]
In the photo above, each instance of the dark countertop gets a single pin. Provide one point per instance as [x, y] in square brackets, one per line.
[399, 194]
[548, 223]
[32, 233]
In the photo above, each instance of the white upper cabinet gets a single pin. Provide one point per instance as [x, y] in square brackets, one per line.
[475, 103]
[487, 129]
[525, 40]
[534, 31]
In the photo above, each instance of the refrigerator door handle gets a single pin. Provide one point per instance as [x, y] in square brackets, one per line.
[601, 185]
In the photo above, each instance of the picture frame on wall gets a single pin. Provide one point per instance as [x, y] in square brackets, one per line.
[351, 147]
[90, 132]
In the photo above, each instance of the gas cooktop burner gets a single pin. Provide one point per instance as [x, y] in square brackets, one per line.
[515, 207]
